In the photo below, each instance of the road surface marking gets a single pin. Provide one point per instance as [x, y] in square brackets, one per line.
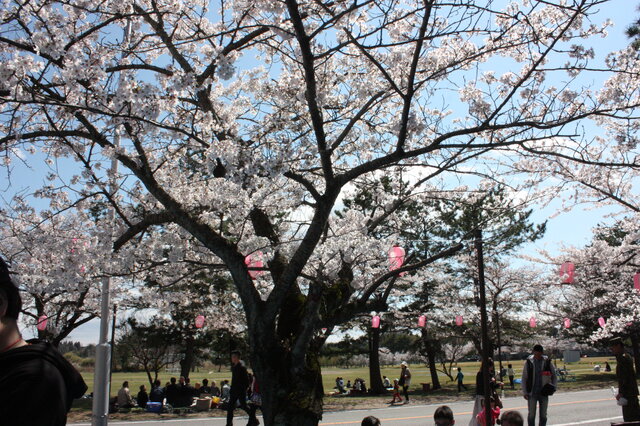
[589, 401]
[586, 422]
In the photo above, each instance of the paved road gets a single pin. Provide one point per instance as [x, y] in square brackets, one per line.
[592, 408]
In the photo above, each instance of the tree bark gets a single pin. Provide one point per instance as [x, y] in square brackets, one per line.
[431, 359]
[635, 345]
[187, 361]
[376, 386]
[292, 393]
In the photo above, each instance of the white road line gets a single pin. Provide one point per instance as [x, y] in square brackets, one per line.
[586, 422]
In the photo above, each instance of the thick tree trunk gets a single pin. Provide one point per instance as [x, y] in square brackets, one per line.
[292, 393]
[187, 361]
[375, 378]
[431, 359]
[635, 345]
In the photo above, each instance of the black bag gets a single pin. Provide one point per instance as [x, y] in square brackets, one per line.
[548, 390]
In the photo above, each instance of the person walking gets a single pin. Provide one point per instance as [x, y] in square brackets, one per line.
[539, 381]
[405, 380]
[627, 385]
[460, 379]
[239, 388]
[512, 375]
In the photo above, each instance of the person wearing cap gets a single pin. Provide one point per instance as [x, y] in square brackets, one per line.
[37, 384]
[539, 381]
[627, 384]
[405, 380]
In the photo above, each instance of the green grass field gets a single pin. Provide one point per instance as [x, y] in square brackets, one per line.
[582, 370]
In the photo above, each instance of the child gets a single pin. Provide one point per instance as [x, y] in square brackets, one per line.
[370, 421]
[443, 416]
[511, 418]
[495, 414]
[396, 392]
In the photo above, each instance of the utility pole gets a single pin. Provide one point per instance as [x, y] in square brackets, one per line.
[102, 374]
[486, 350]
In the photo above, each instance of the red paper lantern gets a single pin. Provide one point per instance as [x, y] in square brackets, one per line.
[42, 323]
[422, 321]
[636, 281]
[254, 261]
[459, 320]
[567, 271]
[200, 321]
[602, 322]
[375, 321]
[396, 258]
[532, 322]
[567, 323]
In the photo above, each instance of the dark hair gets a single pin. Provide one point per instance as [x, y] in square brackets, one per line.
[538, 348]
[205, 381]
[157, 382]
[510, 366]
[9, 291]
[443, 413]
[173, 380]
[370, 421]
[141, 387]
[125, 384]
[513, 418]
[234, 352]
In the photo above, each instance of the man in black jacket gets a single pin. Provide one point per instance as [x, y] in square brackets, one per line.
[37, 384]
[239, 387]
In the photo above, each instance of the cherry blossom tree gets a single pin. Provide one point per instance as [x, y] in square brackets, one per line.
[242, 123]
[58, 264]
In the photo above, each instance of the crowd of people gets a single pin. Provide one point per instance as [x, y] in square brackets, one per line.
[242, 392]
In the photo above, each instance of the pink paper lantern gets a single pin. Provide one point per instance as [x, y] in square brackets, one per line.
[422, 321]
[459, 320]
[375, 321]
[396, 258]
[254, 261]
[567, 271]
[567, 323]
[200, 321]
[636, 281]
[602, 322]
[42, 323]
[532, 322]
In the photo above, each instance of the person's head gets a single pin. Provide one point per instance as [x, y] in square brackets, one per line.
[459, 369]
[538, 351]
[143, 388]
[384, 377]
[157, 382]
[213, 383]
[187, 380]
[198, 386]
[10, 301]
[492, 401]
[235, 357]
[617, 346]
[510, 366]
[443, 416]
[511, 418]
[404, 365]
[371, 421]
[182, 380]
[205, 382]
[173, 380]
[125, 384]
[395, 381]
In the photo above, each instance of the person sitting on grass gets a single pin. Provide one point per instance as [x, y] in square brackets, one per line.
[370, 421]
[125, 400]
[157, 393]
[511, 418]
[143, 397]
[443, 416]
